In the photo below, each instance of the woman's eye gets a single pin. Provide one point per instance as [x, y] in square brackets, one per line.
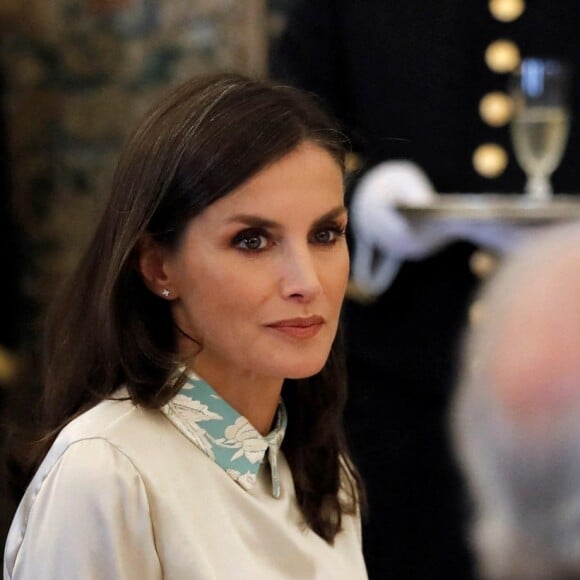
[324, 236]
[328, 235]
[252, 241]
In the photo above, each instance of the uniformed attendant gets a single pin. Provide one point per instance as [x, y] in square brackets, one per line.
[424, 81]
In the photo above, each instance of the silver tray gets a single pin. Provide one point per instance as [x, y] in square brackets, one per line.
[495, 206]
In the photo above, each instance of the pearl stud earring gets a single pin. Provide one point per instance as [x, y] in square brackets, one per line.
[165, 292]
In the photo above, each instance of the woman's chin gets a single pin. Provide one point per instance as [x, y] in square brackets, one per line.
[305, 371]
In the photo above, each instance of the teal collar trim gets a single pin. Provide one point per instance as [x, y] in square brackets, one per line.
[224, 435]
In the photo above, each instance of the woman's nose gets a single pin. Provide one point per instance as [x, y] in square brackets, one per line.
[300, 279]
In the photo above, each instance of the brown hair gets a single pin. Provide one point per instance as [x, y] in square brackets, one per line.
[106, 328]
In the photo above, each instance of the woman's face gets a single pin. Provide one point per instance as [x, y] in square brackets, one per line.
[260, 275]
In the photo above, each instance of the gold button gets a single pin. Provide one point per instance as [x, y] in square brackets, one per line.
[496, 109]
[506, 10]
[358, 294]
[482, 263]
[475, 313]
[490, 160]
[353, 162]
[502, 56]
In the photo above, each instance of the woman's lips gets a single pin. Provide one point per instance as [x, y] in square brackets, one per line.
[305, 327]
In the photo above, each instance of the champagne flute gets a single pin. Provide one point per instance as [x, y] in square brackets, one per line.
[541, 121]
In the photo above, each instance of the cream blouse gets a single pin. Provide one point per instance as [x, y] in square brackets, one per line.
[189, 492]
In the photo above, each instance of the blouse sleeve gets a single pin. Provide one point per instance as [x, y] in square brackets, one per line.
[90, 519]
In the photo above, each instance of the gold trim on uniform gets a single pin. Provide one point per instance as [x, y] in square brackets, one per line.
[490, 160]
[502, 56]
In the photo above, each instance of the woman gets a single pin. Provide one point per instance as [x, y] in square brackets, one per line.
[194, 385]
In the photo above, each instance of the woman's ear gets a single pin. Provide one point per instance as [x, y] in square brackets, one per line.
[152, 265]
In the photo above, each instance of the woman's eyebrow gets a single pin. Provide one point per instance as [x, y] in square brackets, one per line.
[260, 222]
[331, 215]
[254, 221]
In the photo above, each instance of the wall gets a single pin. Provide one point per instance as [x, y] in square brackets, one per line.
[77, 75]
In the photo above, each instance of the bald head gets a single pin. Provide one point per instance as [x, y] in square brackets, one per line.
[516, 413]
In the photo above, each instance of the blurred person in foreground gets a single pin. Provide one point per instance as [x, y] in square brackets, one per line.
[194, 390]
[516, 414]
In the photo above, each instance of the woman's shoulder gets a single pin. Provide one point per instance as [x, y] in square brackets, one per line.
[117, 422]
[88, 469]
[104, 418]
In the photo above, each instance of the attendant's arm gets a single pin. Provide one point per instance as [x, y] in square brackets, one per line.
[89, 521]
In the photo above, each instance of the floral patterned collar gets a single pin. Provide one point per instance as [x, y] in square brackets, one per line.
[224, 435]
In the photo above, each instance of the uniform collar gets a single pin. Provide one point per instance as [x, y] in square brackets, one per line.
[224, 435]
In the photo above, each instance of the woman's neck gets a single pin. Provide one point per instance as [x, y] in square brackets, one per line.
[255, 397]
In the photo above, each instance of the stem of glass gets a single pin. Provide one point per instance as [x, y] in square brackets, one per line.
[538, 187]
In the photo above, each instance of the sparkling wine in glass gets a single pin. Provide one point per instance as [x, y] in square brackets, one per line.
[541, 121]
